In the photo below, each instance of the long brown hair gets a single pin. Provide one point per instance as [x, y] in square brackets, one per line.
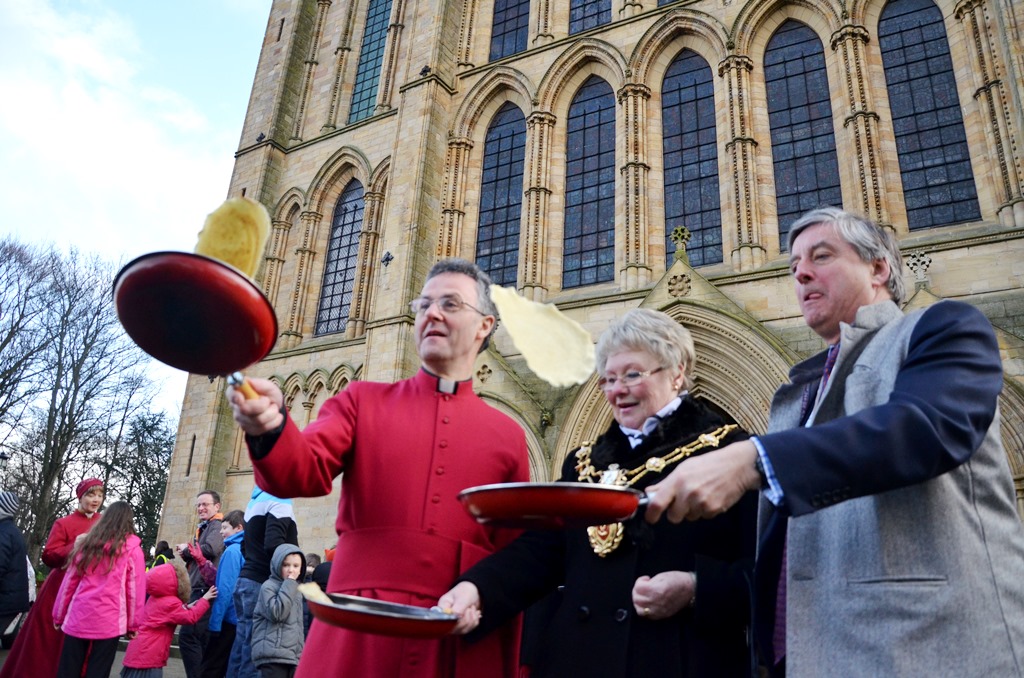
[104, 541]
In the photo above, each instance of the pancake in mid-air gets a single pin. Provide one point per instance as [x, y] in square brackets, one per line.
[556, 348]
[236, 233]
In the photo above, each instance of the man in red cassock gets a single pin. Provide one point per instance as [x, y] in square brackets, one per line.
[406, 449]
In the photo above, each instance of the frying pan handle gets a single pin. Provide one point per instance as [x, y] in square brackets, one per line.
[240, 383]
[644, 501]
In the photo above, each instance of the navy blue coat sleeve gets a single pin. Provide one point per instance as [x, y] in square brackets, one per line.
[940, 409]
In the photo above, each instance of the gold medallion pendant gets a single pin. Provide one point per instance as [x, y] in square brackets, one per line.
[605, 538]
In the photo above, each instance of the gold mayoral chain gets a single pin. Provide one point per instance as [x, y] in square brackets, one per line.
[606, 538]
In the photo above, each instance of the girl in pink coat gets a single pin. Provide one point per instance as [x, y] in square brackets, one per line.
[102, 595]
[169, 589]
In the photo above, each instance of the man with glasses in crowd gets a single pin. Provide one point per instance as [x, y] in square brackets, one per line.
[405, 451]
[207, 539]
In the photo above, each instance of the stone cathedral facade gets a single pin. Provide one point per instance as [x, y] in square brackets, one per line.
[602, 155]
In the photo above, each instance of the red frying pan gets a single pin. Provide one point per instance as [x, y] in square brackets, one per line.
[551, 506]
[194, 313]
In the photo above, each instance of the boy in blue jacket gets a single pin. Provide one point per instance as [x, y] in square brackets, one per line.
[222, 617]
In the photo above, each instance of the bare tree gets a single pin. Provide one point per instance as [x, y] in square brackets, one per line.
[22, 285]
[139, 472]
[93, 385]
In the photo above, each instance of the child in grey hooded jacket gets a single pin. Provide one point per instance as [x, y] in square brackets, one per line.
[277, 636]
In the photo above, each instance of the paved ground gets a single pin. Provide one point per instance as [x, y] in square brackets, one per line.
[174, 668]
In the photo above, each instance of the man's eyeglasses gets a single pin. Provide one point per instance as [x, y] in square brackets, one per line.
[448, 304]
[628, 380]
[202, 504]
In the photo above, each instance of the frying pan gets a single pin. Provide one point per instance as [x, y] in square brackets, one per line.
[551, 506]
[194, 313]
[382, 618]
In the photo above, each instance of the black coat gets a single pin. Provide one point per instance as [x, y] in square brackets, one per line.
[594, 630]
[13, 570]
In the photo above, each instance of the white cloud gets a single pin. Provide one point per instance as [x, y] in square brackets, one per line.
[96, 154]
[97, 158]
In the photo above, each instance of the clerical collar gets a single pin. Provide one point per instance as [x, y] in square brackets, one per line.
[636, 436]
[449, 386]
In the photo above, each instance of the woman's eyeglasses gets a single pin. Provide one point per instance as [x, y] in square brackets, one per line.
[628, 380]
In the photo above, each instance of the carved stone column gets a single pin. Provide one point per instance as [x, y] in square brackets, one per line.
[387, 76]
[452, 214]
[632, 8]
[304, 255]
[341, 55]
[311, 64]
[994, 103]
[861, 122]
[273, 262]
[464, 54]
[636, 270]
[748, 251]
[366, 264]
[540, 18]
[533, 245]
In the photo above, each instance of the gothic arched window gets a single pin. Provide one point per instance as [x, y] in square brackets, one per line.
[371, 56]
[340, 269]
[587, 14]
[800, 120]
[589, 242]
[501, 195]
[935, 166]
[691, 159]
[510, 27]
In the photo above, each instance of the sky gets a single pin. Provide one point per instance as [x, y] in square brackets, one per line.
[119, 123]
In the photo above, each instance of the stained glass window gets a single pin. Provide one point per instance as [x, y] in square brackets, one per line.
[800, 120]
[501, 195]
[340, 269]
[587, 14]
[510, 27]
[691, 159]
[589, 242]
[935, 166]
[371, 56]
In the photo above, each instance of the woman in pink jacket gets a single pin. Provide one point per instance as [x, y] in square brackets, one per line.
[38, 646]
[102, 595]
[169, 589]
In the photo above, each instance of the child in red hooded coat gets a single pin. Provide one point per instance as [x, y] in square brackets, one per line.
[168, 588]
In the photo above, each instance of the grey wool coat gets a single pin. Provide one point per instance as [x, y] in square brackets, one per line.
[905, 551]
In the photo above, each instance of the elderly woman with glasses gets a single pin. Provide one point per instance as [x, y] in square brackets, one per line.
[631, 599]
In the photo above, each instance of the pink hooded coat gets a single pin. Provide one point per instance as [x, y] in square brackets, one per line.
[163, 613]
[101, 603]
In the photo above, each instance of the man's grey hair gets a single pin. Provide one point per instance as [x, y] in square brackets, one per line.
[653, 332]
[868, 239]
[483, 287]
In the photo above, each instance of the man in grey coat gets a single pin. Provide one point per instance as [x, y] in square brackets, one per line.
[889, 542]
[192, 638]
